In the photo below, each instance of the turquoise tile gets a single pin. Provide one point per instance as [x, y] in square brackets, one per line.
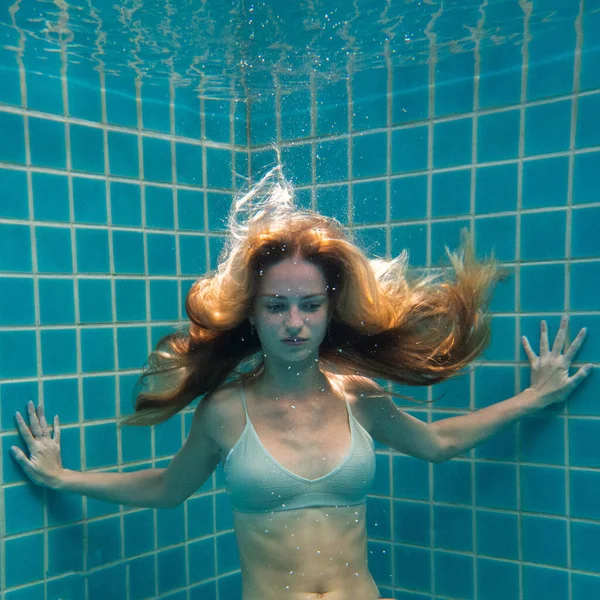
[298, 163]
[187, 112]
[170, 526]
[9, 71]
[535, 481]
[157, 159]
[585, 586]
[190, 209]
[493, 383]
[217, 127]
[95, 300]
[587, 113]
[454, 84]
[413, 238]
[56, 302]
[84, 91]
[132, 347]
[408, 198]
[99, 397]
[263, 160]
[496, 188]
[50, 197]
[452, 482]
[138, 529]
[552, 584]
[171, 569]
[130, 299]
[53, 247]
[59, 561]
[128, 252]
[545, 182]
[451, 193]
[156, 111]
[70, 587]
[541, 438]
[109, 582]
[162, 259]
[454, 575]
[410, 100]
[240, 122]
[543, 235]
[263, 126]
[411, 478]
[87, 148]
[101, 449]
[584, 290]
[332, 107]
[142, 575]
[545, 541]
[136, 443]
[19, 551]
[163, 300]
[535, 293]
[452, 143]
[369, 155]
[295, 113]
[443, 234]
[197, 524]
[192, 254]
[47, 143]
[453, 528]
[585, 242]
[13, 395]
[498, 136]
[410, 149]
[219, 165]
[497, 534]
[15, 236]
[65, 508]
[121, 105]
[412, 568]
[14, 203]
[227, 552]
[497, 580]
[59, 351]
[125, 204]
[167, 437]
[412, 523]
[159, 207]
[97, 350]
[369, 99]
[89, 201]
[332, 201]
[61, 397]
[590, 52]
[16, 301]
[332, 160]
[540, 139]
[218, 210]
[372, 241]
[24, 509]
[583, 435]
[380, 562]
[379, 525]
[369, 202]
[230, 586]
[551, 61]
[189, 163]
[586, 178]
[123, 154]
[496, 485]
[13, 127]
[500, 74]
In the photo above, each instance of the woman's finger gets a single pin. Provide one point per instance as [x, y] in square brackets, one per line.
[530, 353]
[559, 341]
[575, 345]
[42, 417]
[22, 459]
[543, 338]
[581, 374]
[34, 422]
[56, 434]
[23, 429]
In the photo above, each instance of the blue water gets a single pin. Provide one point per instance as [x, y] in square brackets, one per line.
[125, 131]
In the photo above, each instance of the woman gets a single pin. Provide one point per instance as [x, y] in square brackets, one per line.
[283, 342]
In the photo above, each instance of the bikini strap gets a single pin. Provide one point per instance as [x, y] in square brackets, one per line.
[243, 399]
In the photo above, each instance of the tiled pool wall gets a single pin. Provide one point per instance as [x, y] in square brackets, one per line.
[496, 138]
[504, 140]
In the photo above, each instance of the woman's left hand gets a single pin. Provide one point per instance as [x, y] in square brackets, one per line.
[550, 370]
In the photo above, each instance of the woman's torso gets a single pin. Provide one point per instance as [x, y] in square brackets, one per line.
[305, 553]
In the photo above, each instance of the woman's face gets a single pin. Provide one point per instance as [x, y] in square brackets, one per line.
[291, 304]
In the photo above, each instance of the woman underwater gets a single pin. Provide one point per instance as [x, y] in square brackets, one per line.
[284, 342]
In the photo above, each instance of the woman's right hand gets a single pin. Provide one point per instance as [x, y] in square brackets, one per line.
[44, 464]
